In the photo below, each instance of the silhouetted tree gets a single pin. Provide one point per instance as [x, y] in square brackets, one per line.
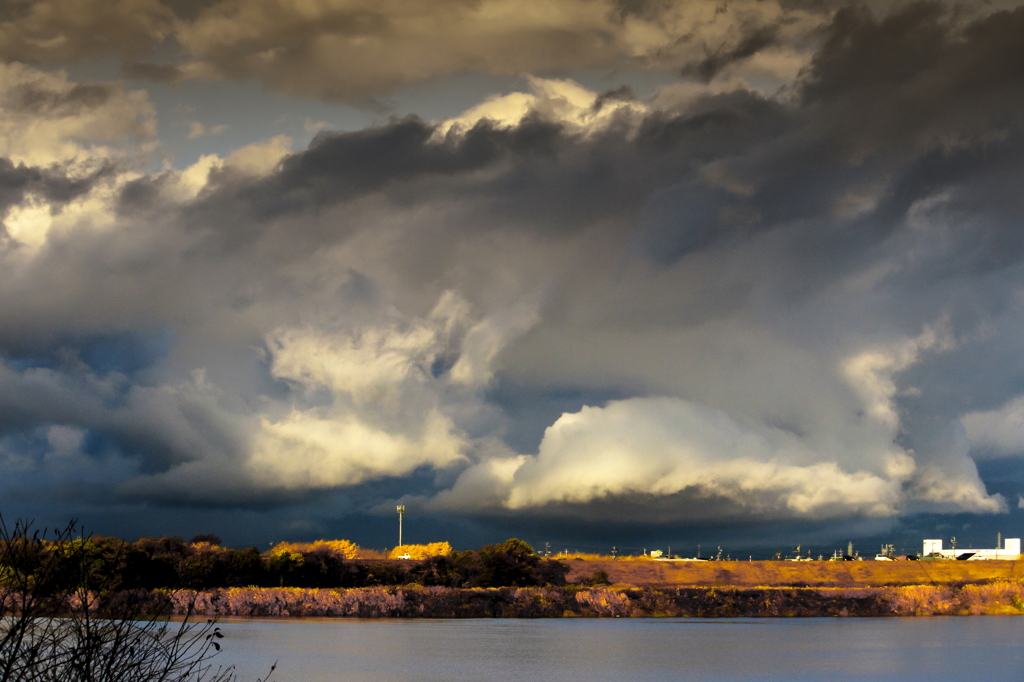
[56, 627]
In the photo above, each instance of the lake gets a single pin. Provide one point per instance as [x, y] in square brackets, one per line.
[641, 649]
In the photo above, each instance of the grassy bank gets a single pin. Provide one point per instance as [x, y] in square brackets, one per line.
[412, 601]
[795, 573]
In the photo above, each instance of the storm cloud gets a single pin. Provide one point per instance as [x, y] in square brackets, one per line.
[739, 299]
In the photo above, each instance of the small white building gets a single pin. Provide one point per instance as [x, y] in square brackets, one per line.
[1010, 551]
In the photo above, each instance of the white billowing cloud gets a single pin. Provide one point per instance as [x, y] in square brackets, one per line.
[561, 101]
[947, 479]
[29, 223]
[943, 473]
[872, 372]
[188, 183]
[35, 220]
[487, 338]
[375, 374]
[48, 121]
[252, 160]
[946, 493]
[484, 485]
[308, 450]
[45, 119]
[371, 366]
[259, 158]
[662, 446]
[999, 431]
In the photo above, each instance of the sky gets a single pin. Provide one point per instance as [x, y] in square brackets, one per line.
[593, 273]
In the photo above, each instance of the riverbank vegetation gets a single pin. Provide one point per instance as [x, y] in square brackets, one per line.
[415, 601]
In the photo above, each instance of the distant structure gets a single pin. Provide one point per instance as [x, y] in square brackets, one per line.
[401, 511]
[887, 553]
[1010, 551]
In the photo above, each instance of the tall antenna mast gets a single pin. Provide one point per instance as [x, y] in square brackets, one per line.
[401, 510]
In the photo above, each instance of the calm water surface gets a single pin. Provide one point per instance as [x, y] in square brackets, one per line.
[644, 650]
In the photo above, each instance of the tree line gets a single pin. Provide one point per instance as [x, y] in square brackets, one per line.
[109, 565]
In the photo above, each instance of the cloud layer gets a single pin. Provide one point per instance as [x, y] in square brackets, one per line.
[787, 287]
[357, 50]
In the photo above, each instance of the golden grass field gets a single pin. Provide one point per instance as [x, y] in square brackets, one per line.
[786, 573]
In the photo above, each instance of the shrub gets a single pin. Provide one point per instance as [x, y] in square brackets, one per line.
[599, 578]
[422, 551]
[344, 549]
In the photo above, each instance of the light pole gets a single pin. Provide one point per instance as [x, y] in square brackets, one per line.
[401, 510]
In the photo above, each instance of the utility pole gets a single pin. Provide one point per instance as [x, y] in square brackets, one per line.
[401, 510]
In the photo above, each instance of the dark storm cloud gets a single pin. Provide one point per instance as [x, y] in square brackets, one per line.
[536, 173]
[718, 59]
[359, 51]
[162, 426]
[17, 181]
[28, 99]
[793, 164]
[51, 31]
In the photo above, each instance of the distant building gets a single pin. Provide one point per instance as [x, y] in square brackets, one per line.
[1009, 551]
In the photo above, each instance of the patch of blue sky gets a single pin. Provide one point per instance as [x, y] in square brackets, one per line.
[197, 118]
[25, 468]
[531, 411]
[23, 364]
[232, 114]
[125, 352]
[26, 444]
[99, 444]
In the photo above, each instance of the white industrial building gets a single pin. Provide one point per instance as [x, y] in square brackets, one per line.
[1010, 551]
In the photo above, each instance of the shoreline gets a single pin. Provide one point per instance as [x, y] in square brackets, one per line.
[413, 601]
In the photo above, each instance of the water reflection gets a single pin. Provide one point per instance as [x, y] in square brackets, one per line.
[644, 650]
